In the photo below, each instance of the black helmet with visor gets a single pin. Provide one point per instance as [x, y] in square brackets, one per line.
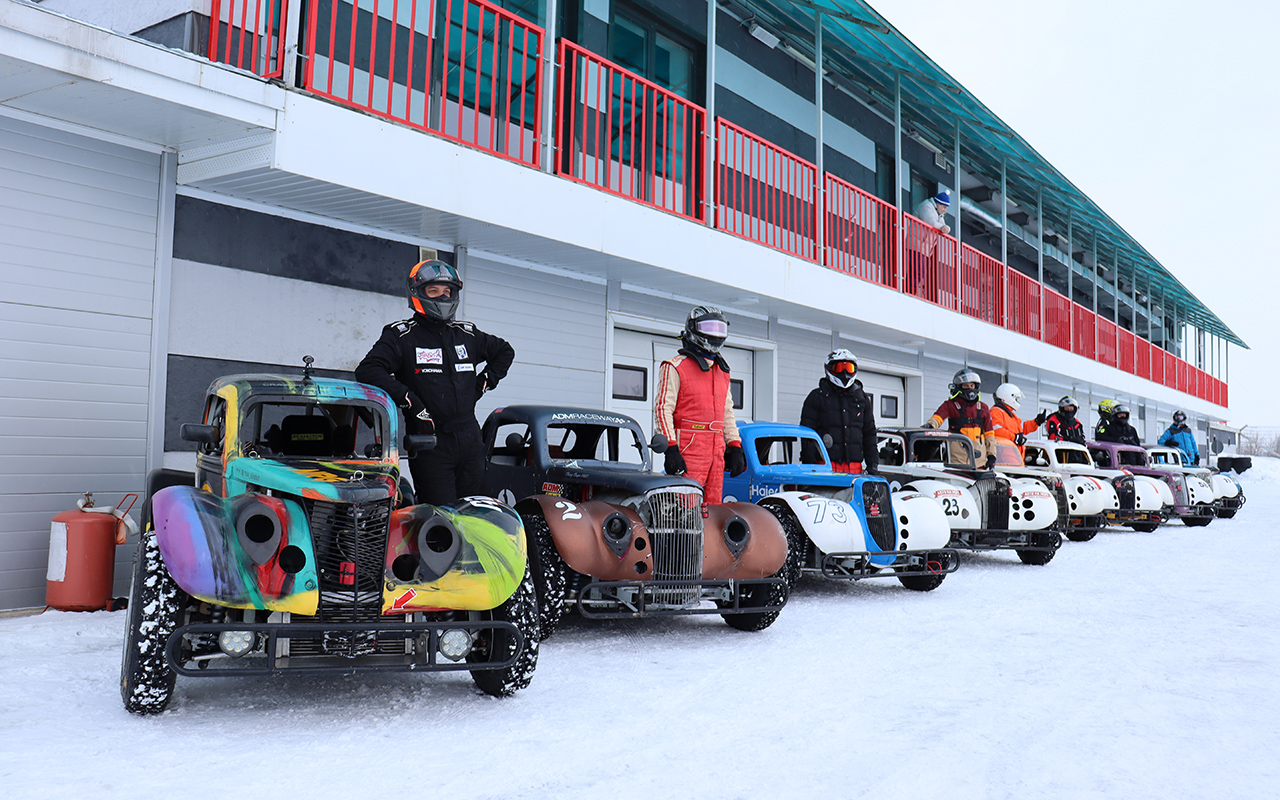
[706, 329]
[434, 272]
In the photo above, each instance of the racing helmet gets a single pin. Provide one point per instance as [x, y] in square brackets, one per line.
[1067, 401]
[1009, 394]
[1120, 413]
[1107, 407]
[842, 367]
[962, 377]
[1179, 416]
[434, 273]
[706, 329]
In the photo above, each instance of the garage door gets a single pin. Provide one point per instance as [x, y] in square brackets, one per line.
[77, 266]
[636, 358]
[888, 394]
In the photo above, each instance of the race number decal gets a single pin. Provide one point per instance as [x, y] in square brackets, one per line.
[821, 508]
[950, 506]
[568, 510]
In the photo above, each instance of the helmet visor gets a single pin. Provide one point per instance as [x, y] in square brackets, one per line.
[837, 367]
[712, 327]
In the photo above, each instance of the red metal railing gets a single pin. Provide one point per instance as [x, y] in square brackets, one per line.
[1057, 319]
[765, 193]
[860, 235]
[248, 34]
[1142, 358]
[1106, 342]
[1024, 305]
[627, 135]
[929, 263]
[1084, 336]
[982, 286]
[465, 69]
[1124, 350]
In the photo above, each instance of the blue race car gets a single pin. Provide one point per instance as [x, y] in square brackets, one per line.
[843, 526]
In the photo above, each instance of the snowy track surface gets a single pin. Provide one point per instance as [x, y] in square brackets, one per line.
[1133, 666]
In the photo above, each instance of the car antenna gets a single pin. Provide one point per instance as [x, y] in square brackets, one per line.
[307, 361]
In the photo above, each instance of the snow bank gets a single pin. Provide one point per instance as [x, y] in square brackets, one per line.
[1133, 666]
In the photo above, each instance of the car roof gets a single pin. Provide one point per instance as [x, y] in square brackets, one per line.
[321, 389]
[755, 430]
[538, 416]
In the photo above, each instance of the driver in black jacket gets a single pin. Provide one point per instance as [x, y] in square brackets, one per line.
[431, 366]
[839, 408]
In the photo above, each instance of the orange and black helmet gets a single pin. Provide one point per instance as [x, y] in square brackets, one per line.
[434, 273]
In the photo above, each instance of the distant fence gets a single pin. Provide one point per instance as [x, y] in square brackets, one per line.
[1259, 442]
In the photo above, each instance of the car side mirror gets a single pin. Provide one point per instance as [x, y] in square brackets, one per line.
[659, 443]
[514, 441]
[417, 442]
[827, 440]
[201, 434]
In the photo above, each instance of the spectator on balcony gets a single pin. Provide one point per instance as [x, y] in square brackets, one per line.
[1117, 428]
[924, 277]
[964, 412]
[1062, 425]
[840, 412]
[1179, 435]
[1011, 432]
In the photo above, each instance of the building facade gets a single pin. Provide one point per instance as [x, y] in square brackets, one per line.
[192, 188]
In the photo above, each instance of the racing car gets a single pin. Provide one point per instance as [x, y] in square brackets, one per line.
[293, 549]
[1228, 495]
[840, 525]
[1134, 501]
[1192, 498]
[613, 539]
[986, 510]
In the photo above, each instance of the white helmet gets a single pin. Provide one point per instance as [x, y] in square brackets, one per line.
[1009, 394]
[842, 367]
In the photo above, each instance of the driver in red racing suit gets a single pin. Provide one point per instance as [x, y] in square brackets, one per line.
[693, 407]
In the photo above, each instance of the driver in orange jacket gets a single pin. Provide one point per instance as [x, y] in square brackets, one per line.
[1011, 432]
[693, 407]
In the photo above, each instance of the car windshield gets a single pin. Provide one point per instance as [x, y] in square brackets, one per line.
[1068, 456]
[774, 450]
[594, 442]
[285, 429]
[1162, 457]
[1133, 458]
[951, 451]
[891, 451]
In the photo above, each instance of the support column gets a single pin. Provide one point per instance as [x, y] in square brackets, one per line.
[1071, 275]
[897, 175]
[293, 37]
[819, 249]
[1004, 232]
[1040, 253]
[548, 120]
[709, 127]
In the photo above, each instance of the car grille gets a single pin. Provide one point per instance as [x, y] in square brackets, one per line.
[1059, 491]
[674, 519]
[996, 493]
[1180, 493]
[351, 549]
[1126, 493]
[875, 503]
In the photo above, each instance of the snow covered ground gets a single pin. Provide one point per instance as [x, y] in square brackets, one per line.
[1133, 666]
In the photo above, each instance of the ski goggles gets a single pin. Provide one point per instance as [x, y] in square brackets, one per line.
[712, 327]
[836, 367]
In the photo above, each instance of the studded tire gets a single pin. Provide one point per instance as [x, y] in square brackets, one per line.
[921, 583]
[521, 610]
[771, 594]
[155, 611]
[550, 574]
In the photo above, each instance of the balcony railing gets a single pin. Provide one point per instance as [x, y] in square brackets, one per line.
[472, 71]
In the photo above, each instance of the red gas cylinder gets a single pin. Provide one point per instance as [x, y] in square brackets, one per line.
[82, 555]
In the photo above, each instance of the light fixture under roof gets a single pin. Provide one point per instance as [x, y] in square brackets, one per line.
[770, 39]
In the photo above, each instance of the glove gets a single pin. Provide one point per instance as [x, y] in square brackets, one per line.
[483, 384]
[870, 470]
[1020, 440]
[735, 461]
[673, 462]
[1041, 417]
[991, 462]
[415, 410]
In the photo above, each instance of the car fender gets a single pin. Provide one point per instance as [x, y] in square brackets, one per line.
[1087, 497]
[1161, 487]
[834, 526]
[922, 524]
[577, 530]
[1199, 490]
[726, 553]
[1224, 486]
[958, 503]
[207, 550]
[1032, 506]
[475, 557]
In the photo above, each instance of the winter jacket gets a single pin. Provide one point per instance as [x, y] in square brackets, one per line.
[927, 212]
[1113, 430]
[1103, 420]
[1008, 427]
[846, 416]
[1060, 427]
[693, 408]
[439, 362]
[971, 419]
[1180, 436]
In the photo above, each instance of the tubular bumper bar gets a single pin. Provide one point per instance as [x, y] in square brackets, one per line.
[1047, 540]
[255, 663]
[638, 603]
[920, 562]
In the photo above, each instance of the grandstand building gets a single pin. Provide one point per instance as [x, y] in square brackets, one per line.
[197, 187]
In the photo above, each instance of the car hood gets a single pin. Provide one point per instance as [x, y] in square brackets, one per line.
[802, 473]
[318, 479]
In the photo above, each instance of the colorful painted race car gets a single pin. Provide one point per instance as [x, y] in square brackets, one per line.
[1192, 497]
[837, 524]
[1228, 496]
[287, 551]
[986, 510]
[613, 539]
[1134, 501]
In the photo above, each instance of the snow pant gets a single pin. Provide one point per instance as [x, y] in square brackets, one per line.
[852, 467]
[454, 469]
[703, 452]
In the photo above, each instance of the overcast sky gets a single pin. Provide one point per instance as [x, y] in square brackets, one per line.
[1166, 114]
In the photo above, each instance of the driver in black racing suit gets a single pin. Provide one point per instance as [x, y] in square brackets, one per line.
[430, 365]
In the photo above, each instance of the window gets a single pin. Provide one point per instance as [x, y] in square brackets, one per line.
[630, 383]
[773, 450]
[888, 406]
[884, 177]
[301, 429]
[510, 444]
[647, 48]
[587, 442]
[736, 388]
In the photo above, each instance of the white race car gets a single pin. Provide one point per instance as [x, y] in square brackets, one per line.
[1228, 495]
[1135, 501]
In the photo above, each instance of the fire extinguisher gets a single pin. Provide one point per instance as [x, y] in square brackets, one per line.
[82, 554]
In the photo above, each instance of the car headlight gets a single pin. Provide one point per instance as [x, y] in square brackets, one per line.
[455, 644]
[236, 643]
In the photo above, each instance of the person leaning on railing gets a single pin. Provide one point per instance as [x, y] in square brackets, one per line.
[931, 212]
